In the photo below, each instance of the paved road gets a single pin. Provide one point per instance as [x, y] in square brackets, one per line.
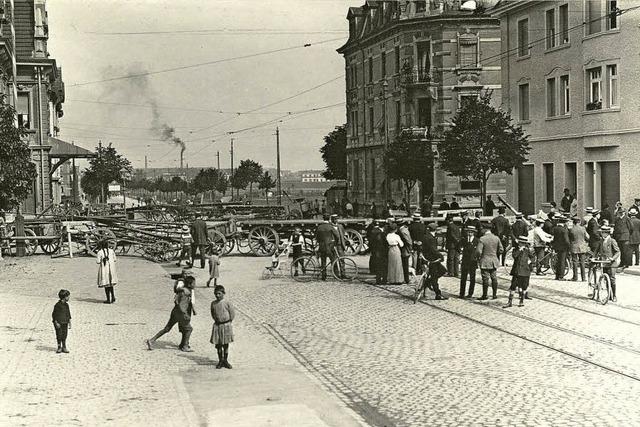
[325, 353]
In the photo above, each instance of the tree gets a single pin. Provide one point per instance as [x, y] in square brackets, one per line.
[222, 184]
[205, 180]
[409, 158]
[17, 172]
[334, 154]
[482, 141]
[107, 167]
[266, 183]
[250, 172]
[238, 181]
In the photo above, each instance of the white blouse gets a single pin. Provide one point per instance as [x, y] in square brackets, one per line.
[394, 240]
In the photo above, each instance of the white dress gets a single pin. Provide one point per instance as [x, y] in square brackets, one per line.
[107, 275]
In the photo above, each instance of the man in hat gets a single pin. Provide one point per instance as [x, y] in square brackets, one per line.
[444, 205]
[200, 239]
[434, 257]
[561, 245]
[500, 227]
[567, 199]
[488, 250]
[378, 252]
[610, 251]
[588, 215]
[186, 241]
[578, 237]
[469, 266]
[634, 240]
[426, 207]
[519, 228]
[593, 229]
[455, 204]
[326, 236]
[407, 249]
[417, 230]
[622, 234]
[523, 258]
[297, 242]
[453, 247]
[476, 222]
[341, 243]
[540, 240]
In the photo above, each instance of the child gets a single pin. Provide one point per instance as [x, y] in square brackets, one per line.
[62, 320]
[523, 262]
[186, 240]
[107, 277]
[223, 314]
[214, 270]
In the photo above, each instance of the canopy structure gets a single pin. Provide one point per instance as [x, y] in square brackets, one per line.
[64, 151]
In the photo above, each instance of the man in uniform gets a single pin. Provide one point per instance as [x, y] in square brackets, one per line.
[610, 251]
[444, 205]
[425, 207]
[326, 236]
[489, 207]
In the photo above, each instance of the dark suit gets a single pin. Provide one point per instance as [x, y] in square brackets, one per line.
[595, 236]
[62, 315]
[431, 253]
[561, 245]
[326, 236]
[200, 239]
[501, 227]
[622, 234]
[377, 258]
[578, 237]
[417, 230]
[469, 265]
[453, 249]
[518, 229]
[634, 240]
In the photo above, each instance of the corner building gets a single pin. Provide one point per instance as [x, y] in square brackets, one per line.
[410, 65]
[571, 81]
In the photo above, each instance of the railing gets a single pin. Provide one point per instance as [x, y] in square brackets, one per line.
[412, 76]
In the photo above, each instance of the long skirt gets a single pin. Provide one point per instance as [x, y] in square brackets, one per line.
[394, 266]
[222, 334]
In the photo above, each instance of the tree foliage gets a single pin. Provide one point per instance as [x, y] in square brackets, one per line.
[482, 141]
[334, 154]
[109, 166]
[266, 183]
[223, 184]
[409, 158]
[17, 172]
[247, 173]
[206, 180]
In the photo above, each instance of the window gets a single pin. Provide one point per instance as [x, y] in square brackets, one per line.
[370, 70]
[355, 75]
[612, 86]
[465, 98]
[371, 120]
[594, 78]
[523, 102]
[547, 169]
[383, 64]
[593, 16]
[424, 60]
[398, 117]
[396, 54]
[563, 21]
[421, 6]
[468, 51]
[551, 97]
[424, 112]
[373, 174]
[23, 107]
[550, 22]
[354, 123]
[612, 15]
[523, 37]
[565, 105]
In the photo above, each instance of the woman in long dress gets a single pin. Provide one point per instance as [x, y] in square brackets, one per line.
[107, 277]
[395, 275]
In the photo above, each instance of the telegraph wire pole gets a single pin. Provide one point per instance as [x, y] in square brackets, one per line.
[231, 167]
[218, 156]
[279, 186]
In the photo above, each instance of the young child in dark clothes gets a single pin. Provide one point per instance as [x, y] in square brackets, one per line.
[62, 320]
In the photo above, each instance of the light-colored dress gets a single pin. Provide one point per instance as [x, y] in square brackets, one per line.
[394, 260]
[214, 270]
[223, 314]
[107, 276]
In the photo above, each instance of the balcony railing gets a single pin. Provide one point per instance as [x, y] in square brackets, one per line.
[415, 76]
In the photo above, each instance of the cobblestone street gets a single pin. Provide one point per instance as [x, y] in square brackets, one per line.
[326, 353]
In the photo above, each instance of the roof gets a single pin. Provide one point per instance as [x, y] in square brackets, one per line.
[63, 150]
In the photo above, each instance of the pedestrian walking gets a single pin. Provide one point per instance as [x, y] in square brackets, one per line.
[214, 268]
[578, 237]
[469, 245]
[634, 240]
[610, 251]
[407, 249]
[181, 313]
[561, 245]
[523, 261]
[107, 275]
[488, 250]
[186, 240]
[223, 313]
[200, 239]
[61, 316]
[453, 247]
[395, 275]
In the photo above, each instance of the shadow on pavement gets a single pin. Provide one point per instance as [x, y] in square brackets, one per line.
[198, 360]
[93, 300]
[46, 348]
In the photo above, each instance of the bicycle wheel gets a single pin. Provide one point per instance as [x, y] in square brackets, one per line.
[546, 261]
[604, 288]
[591, 284]
[419, 289]
[344, 269]
[304, 269]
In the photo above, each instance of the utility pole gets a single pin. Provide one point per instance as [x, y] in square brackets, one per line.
[102, 199]
[218, 156]
[279, 186]
[231, 167]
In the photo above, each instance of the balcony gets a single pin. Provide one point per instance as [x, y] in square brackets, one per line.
[415, 77]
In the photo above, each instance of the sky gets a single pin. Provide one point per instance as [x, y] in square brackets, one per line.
[155, 107]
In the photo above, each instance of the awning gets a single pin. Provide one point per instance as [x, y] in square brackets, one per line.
[64, 151]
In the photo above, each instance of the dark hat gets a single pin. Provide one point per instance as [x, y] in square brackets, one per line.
[470, 228]
[605, 229]
[501, 209]
[595, 211]
[416, 217]
[633, 212]
[524, 239]
[433, 226]
[588, 209]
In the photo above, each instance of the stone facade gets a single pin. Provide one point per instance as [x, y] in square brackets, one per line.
[575, 93]
[409, 65]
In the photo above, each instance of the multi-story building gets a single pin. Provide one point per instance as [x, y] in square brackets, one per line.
[571, 81]
[410, 65]
[313, 176]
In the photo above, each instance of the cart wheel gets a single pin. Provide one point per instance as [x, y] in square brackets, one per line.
[305, 269]
[216, 241]
[354, 242]
[95, 236]
[167, 251]
[123, 247]
[242, 244]
[50, 246]
[263, 241]
[30, 246]
[228, 247]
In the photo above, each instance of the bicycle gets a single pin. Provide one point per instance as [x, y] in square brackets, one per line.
[423, 281]
[308, 268]
[550, 261]
[599, 287]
